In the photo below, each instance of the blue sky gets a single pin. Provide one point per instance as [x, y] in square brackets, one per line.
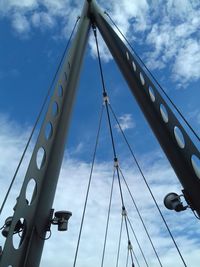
[33, 35]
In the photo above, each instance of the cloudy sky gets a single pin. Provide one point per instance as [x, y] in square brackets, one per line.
[33, 35]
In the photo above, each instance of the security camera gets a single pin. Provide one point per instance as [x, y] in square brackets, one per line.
[61, 219]
[172, 201]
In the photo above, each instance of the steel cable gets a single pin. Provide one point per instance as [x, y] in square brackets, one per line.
[119, 243]
[150, 191]
[108, 219]
[139, 214]
[127, 257]
[88, 187]
[138, 243]
[111, 134]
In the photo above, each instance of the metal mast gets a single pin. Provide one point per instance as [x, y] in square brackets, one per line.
[175, 142]
[37, 214]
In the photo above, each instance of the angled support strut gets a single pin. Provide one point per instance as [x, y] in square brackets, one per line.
[36, 213]
[175, 142]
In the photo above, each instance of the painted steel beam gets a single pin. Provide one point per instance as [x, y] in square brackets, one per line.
[174, 140]
[44, 172]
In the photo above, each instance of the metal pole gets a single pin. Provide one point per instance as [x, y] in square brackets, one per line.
[44, 172]
[175, 142]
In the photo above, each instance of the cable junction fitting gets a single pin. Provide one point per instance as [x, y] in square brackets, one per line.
[124, 212]
[116, 163]
[105, 98]
[130, 247]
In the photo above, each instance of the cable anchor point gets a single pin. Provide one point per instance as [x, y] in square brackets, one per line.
[116, 163]
[93, 24]
[124, 212]
[130, 247]
[105, 98]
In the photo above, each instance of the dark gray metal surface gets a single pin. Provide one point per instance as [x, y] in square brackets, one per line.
[36, 215]
[175, 142]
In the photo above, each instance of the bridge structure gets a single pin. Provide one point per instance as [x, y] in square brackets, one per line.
[33, 217]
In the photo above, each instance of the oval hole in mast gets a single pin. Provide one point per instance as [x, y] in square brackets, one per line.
[41, 157]
[55, 109]
[60, 91]
[48, 131]
[134, 66]
[179, 137]
[127, 55]
[196, 165]
[164, 113]
[152, 94]
[142, 79]
[31, 191]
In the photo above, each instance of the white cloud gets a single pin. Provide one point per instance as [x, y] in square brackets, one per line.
[126, 122]
[170, 29]
[175, 9]
[70, 196]
[187, 64]
[126, 10]
[42, 19]
[7, 6]
[30, 13]
[103, 50]
[175, 39]
[20, 23]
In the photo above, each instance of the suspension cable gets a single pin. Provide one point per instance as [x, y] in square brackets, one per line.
[154, 78]
[125, 219]
[108, 219]
[88, 187]
[111, 132]
[127, 257]
[137, 241]
[140, 216]
[132, 253]
[149, 189]
[163, 221]
[119, 243]
[38, 117]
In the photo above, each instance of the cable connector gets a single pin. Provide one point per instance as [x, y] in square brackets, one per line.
[93, 25]
[116, 163]
[124, 212]
[105, 98]
[130, 247]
